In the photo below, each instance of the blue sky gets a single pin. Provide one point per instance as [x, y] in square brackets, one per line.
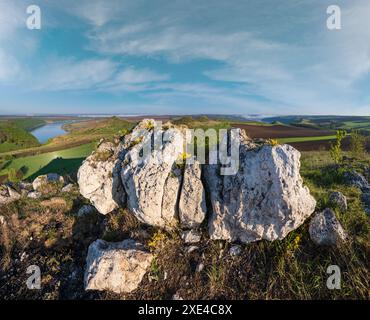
[182, 57]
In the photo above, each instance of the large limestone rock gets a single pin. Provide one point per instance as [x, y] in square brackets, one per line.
[43, 180]
[192, 206]
[265, 199]
[99, 179]
[152, 180]
[8, 194]
[117, 267]
[325, 229]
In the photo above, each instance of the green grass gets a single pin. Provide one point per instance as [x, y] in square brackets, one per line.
[111, 126]
[13, 137]
[303, 139]
[62, 162]
[28, 124]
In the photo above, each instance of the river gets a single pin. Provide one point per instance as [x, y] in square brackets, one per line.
[48, 131]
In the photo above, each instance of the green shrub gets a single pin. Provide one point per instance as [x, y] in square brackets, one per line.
[335, 148]
[357, 144]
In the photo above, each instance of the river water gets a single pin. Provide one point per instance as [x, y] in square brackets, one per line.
[48, 131]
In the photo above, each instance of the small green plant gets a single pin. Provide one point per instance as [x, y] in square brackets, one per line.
[12, 175]
[103, 156]
[335, 148]
[155, 270]
[273, 142]
[181, 160]
[136, 142]
[149, 126]
[357, 144]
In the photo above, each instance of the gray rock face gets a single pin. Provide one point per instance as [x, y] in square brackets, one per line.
[356, 179]
[40, 181]
[117, 267]
[150, 181]
[8, 195]
[338, 199]
[264, 200]
[192, 206]
[325, 229]
[99, 179]
[86, 210]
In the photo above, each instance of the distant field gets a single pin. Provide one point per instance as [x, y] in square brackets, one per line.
[303, 139]
[79, 133]
[14, 137]
[29, 124]
[281, 131]
[62, 162]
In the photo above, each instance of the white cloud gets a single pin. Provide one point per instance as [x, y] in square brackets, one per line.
[12, 17]
[92, 74]
[68, 74]
[133, 76]
[9, 67]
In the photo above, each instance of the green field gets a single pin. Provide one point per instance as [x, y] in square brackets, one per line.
[62, 162]
[14, 137]
[28, 124]
[303, 139]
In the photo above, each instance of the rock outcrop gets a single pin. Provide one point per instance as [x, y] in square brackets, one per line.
[192, 206]
[356, 179]
[265, 199]
[117, 267]
[8, 194]
[152, 180]
[50, 178]
[99, 179]
[325, 229]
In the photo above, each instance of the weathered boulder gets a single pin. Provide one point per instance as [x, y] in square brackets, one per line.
[325, 229]
[339, 199]
[117, 267]
[191, 236]
[265, 199]
[192, 206]
[99, 179]
[86, 210]
[356, 179]
[68, 188]
[43, 180]
[8, 194]
[34, 195]
[235, 251]
[151, 178]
